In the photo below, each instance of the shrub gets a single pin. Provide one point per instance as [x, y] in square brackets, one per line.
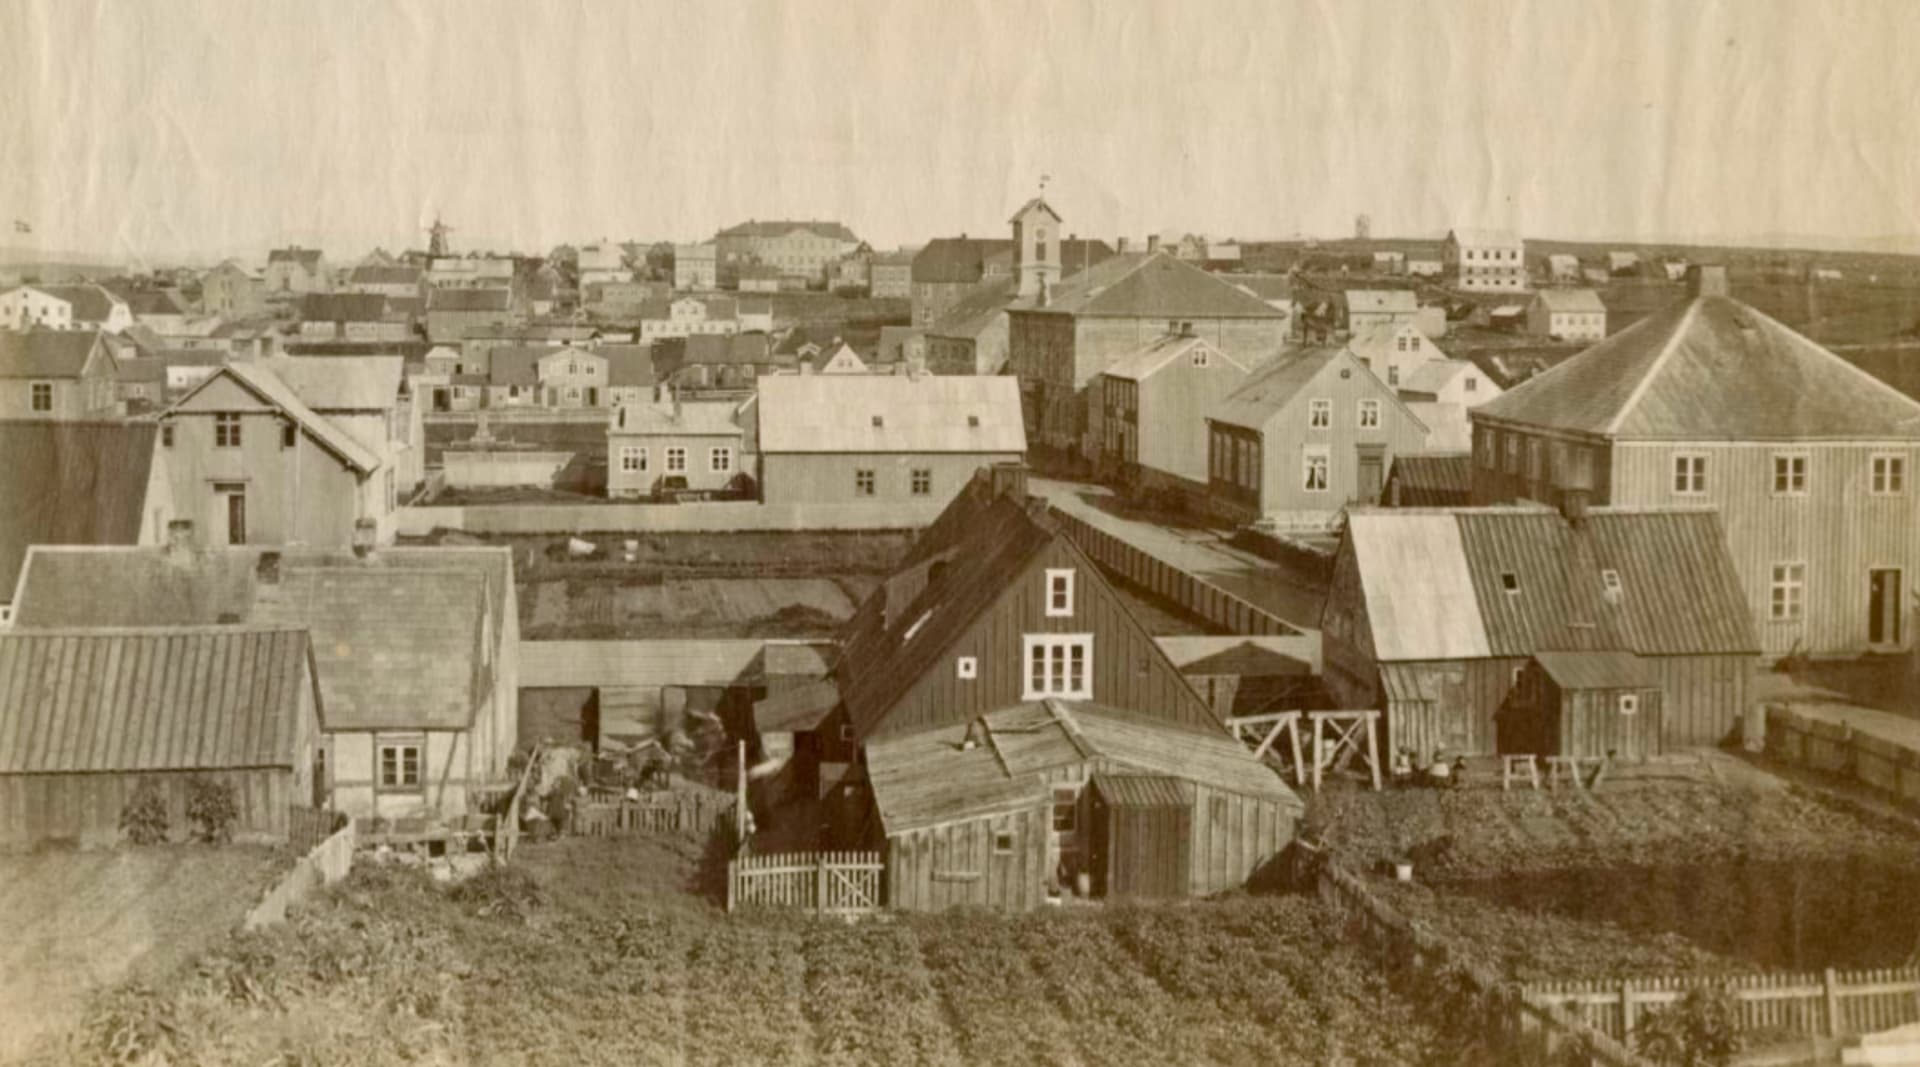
[1701, 1029]
[144, 817]
[132, 1025]
[211, 809]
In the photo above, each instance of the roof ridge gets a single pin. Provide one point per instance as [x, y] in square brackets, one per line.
[1653, 369]
[159, 630]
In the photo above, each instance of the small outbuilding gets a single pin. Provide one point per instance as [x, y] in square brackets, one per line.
[1588, 704]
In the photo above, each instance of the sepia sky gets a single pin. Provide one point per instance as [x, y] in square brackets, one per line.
[201, 129]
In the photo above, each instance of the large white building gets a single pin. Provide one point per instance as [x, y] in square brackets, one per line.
[63, 307]
[696, 267]
[1486, 261]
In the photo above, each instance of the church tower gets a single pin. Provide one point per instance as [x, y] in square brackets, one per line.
[1036, 248]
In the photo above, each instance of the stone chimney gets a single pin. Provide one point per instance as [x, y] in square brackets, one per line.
[365, 532]
[1153, 243]
[1707, 280]
[1009, 480]
[179, 540]
[1573, 505]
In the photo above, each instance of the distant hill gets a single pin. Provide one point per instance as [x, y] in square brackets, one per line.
[53, 265]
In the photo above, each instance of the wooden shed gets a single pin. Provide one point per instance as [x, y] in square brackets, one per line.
[87, 716]
[1589, 704]
[1141, 827]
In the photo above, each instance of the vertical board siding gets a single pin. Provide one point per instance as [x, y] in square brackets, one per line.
[954, 864]
[85, 808]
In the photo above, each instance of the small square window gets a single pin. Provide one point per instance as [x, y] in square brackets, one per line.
[166, 435]
[1003, 842]
[879, 421]
[922, 482]
[966, 668]
[863, 483]
[1629, 703]
[1610, 579]
[1889, 475]
[1509, 581]
[676, 460]
[846, 732]
[1790, 474]
[42, 394]
[973, 421]
[226, 431]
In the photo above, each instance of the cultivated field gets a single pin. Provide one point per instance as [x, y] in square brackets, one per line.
[78, 921]
[602, 956]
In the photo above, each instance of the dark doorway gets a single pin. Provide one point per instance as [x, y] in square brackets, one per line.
[1373, 474]
[1883, 606]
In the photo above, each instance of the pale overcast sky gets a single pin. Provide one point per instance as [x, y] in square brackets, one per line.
[210, 128]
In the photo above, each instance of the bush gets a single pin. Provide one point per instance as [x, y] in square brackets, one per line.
[1701, 1029]
[211, 809]
[144, 817]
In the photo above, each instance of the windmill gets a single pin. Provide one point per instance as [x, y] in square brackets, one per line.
[437, 237]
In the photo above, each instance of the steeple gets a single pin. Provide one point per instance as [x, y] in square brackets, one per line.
[1036, 246]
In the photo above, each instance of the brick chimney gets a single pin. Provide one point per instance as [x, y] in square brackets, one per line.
[1707, 280]
[1120, 244]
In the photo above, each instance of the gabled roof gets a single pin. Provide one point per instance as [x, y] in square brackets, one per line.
[746, 349]
[1510, 582]
[1268, 287]
[1384, 340]
[70, 483]
[343, 307]
[1031, 205]
[1390, 301]
[1146, 361]
[782, 227]
[341, 383]
[978, 309]
[46, 353]
[1150, 285]
[950, 260]
[893, 342]
[1432, 479]
[1709, 368]
[1584, 301]
[268, 386]
[469, 300]
[204, 698]
[1434, 375]
[394, 649]
[891, 413]
[306, 257]
[380, 274]
[628, 365]
[1276, 383]
[154, 302]
[710, 418]
[90, 303]
[516, 364]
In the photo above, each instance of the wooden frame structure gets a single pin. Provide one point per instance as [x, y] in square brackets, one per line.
[1335, 734]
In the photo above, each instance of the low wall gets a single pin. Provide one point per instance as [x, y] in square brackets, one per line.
[329, 862]
[712, 516]
[1805, 738]
[468, 469]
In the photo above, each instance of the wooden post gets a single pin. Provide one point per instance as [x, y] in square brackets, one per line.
[733, 878]
[1316, 752]
[1373, 747]
[740, 797]
[1626, 1012]
[1833, 1004]
[820, 881]
[1299, 768]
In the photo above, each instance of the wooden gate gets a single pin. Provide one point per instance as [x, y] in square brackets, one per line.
[831, 883]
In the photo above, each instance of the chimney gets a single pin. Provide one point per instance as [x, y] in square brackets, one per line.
[1573, 505]
[1009, 480]
[267, 570]
[1120, 244]
[179, 539]
[1153, 243]
[365, 531]
[1707, 280]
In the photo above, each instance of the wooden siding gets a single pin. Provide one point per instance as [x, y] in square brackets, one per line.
[1137, 850]
[1234, 838]
[829, 477]
[1170, 414]
[956, 864]
[1129, 671]
[1463, 715]
[1838, 528]
[1702, 697]
[84, 809]
[1346, 635]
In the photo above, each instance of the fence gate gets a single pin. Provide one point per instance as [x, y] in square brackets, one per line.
[831, 883]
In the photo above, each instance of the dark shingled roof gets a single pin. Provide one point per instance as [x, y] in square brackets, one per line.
[1151, 285]
[718, 348]
[469, 300]
[343, 307]
[91, 303]
[1431, 479]
[70, 483]
[150, 700]
[1709, 368]
[45, 353]
[977, 309]
[780, 228]
[306, 257]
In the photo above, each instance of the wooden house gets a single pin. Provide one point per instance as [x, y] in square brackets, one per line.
[1435, 617]
[985, 684]
[1710, 403]
[90, 715]
[1150, 414]
[56, 374]
[1309, 434]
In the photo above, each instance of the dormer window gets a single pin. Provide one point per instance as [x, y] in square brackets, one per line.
[1510, 582]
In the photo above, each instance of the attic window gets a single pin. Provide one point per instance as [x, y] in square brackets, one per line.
[1610, 578]
[1510, 582]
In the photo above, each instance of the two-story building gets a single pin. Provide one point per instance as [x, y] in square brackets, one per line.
[1485, 261]
[798, 248]
[453, 312]
[1709, 402]
[1380, 310]
[696, 267]
[572, 377]
[1151, 417]
[1310, 434]
[351, 317]
[369, 397]
[890, 275]
[230, 292]
[1394, 354]
[61, 307]
[688, 316]
[56, 374]
[400, 281]
[297, 270]
[1567, 315]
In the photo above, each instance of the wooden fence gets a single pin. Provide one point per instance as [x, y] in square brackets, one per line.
[694, 812]
[326, 864]
[1807, 740]
[308, 827]
[1156, 576]
[1830, 1004]
[830, 883]
[1536, 1030]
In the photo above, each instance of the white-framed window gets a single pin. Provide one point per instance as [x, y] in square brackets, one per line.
[41, 396]
[1629, 703]
[1314, 463]
[1690, 474]
[1059, 592]
[226, 431]
[1788, 593]
[720, 460]
[400, 763]
[966, 668]
[1057, 665]
[1610, 580]
[1201, 358]
[1369, 414]
[1489, 449]
[1789, 473]
[633, 459]
[1889, 474]
[676, 460]
[862, 483]
[1470, 384]
[1319, 413]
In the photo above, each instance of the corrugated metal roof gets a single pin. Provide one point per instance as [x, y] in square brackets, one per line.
[1419, 594]
[1144, 790]
[1432, 479]
[150, 700]
[891, 413]
[1595, 670]
[69, 483]
[1710, 368]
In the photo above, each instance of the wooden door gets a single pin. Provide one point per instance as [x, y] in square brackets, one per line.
[1372, 476]
[1883, 606]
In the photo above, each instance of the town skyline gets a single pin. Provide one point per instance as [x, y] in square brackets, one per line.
[1634, 122]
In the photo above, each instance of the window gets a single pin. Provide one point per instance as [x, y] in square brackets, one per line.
[1003, 835]
[166, 435]
[42, 396]
[1313, 464]
[1319, 414]
[289, 434]
[1470, 384]
[633, 459]
[1393, 374]
[966, 668]
[1889, 475]
[226, 431]
[879, 421]
[1509, 581]
[1513, 453]
[676, 460]
[1058, 665]
[1066, 807]
[1690, 474]
[1788, 592]
[1059, 593]
[720, 460]
[1369, 414]
[1790, 474]
[973, 421]
[400, 766]
[1629, 703]
[1536, 459]
[1610, 580]
[1200, 357]
[922, 483]
[862, 483]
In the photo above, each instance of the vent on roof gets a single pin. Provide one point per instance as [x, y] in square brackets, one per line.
[1610, 581]
[1510, 581]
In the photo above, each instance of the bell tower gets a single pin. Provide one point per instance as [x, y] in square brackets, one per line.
[1036, 247]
